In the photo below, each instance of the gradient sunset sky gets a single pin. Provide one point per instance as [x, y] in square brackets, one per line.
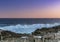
[29, 8]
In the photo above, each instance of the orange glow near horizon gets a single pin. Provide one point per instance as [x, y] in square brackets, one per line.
[52, 11]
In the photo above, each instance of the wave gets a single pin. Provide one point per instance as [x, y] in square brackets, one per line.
[18, 28]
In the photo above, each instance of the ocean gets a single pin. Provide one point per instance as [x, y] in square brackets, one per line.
[28, 20]
[27, 25]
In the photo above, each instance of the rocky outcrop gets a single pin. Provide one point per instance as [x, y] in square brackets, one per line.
[43, 31]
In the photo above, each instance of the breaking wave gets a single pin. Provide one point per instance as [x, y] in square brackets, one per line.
[18, 28]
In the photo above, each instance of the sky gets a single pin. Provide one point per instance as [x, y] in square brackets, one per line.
[29, 8]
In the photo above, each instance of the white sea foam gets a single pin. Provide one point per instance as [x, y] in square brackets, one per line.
[26, 28]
